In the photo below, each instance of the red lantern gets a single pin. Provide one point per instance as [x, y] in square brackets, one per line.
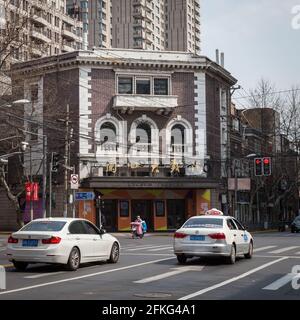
[28, 191]
[35, 191]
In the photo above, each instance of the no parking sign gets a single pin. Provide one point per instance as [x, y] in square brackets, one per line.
[74, 181]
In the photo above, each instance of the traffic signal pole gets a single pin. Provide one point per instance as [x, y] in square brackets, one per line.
[50, 187]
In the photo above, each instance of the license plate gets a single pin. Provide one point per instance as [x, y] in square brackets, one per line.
[197, 238]
[30, 243]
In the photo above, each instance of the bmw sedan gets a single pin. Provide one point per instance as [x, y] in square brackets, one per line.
[63, 241]
[212, 236]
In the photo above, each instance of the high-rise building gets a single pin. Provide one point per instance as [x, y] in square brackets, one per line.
[138, 24]
[182, 23]
[156, 24]
[96, 17]
[37, 28]
[141, 24]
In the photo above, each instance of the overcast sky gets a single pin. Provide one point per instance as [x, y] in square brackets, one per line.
[257, 38]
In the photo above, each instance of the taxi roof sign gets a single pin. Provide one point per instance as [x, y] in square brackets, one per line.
[214, 212]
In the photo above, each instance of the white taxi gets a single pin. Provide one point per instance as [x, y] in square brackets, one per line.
[212, 235]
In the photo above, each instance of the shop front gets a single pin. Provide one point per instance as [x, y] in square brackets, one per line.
[162, 209]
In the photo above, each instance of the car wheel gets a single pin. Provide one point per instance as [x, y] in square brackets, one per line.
[231, 259]
[114, 253]
[293, 231]
[250, 252]
[74, 260]
[20, 266]
[181, 259]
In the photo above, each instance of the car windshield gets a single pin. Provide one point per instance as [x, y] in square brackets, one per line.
[44, 226]
[204, 223]
[297, 219]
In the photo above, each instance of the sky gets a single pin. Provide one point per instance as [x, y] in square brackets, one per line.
[257, 37]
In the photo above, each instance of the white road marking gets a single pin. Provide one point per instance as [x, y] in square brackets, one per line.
[85, 276]
[146, 248]
[154, 254]
[43, 275]
[2, 249]
[281, 282]
[162, 248]
[224, 283]
[170, 274]
[264, 248]
[284, 249]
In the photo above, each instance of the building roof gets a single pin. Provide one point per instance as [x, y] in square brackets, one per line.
[125, 58]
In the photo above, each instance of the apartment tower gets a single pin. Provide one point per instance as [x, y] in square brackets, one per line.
[96, 16]
[43, 26]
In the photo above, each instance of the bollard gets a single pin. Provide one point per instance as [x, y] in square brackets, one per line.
[2, 278]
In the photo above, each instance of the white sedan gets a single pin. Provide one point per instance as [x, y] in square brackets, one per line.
[212, 236]
[64, 241]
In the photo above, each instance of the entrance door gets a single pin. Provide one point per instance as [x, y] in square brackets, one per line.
[109, 212]
[175, 213]
[143, 208]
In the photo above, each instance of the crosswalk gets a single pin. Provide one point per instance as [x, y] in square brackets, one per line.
[165, 248]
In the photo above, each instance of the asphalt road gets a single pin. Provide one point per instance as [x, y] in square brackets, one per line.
[148, 270]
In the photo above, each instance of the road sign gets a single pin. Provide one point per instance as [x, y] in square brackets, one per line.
[79, 196]
[74, 181]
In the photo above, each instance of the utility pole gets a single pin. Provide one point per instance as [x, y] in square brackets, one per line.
[44, 174]
[66, 121]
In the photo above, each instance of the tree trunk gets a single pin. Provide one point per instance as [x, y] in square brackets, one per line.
[13, 198]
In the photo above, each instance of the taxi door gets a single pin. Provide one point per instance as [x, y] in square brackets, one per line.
[237, 236]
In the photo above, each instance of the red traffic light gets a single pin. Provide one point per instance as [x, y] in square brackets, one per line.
[266, 160]
[258, 161]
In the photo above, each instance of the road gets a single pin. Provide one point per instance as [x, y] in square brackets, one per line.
[148, 270]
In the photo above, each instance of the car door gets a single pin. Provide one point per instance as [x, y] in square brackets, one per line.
[79, 236]
[100, 243]
[236, 235]
[243, 235]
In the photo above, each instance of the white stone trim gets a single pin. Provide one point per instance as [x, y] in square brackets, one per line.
[85, 120]
[200, 115]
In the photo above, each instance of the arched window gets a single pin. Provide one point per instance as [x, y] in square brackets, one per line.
[177, 138]
[143, 133]
[108, 132]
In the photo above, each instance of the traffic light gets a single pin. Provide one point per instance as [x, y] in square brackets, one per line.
[54, 161]
[266, 166]
[258, 167]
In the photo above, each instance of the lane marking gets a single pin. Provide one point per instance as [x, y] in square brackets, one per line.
[163, 248]
[43, 275]
[146, 248]
[153, 254]
[85, 276]
[2, 249]
[264, 248]
[284, 249]
[170, 274]
[224, 283]
[281, 282]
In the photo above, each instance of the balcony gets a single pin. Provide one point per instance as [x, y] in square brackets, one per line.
[67, 47]
[139, 34]
[158, 104]
[37, 51]
[39, 19]
[69, 34]
[40, 34]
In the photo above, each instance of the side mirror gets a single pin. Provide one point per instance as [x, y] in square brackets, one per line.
[101, 231]
[245, 227]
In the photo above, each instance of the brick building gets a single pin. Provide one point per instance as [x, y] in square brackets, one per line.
[146, 129]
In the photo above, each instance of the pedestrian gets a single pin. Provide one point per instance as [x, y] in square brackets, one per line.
[144, 226]
[137, 230]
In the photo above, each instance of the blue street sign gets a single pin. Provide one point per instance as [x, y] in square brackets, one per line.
[84, 196]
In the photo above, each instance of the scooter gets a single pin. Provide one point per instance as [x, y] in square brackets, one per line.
[134, 233]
